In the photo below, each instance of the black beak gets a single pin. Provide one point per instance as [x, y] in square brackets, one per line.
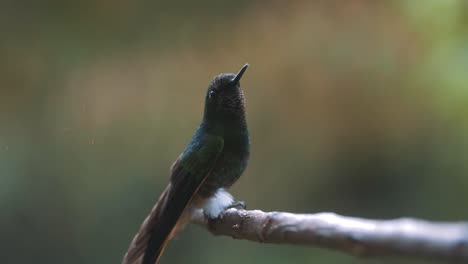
[236, 79]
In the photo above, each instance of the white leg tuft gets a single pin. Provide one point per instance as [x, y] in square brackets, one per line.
[218, 203]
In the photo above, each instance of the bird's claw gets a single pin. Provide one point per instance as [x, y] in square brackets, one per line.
[238, 205]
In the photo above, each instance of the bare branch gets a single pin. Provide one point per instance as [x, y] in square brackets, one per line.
[356, 236]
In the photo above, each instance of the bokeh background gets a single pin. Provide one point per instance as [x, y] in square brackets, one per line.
[357, 107]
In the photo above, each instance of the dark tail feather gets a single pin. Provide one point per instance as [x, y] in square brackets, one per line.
[165, 218]
[162, 223]
[148, 244]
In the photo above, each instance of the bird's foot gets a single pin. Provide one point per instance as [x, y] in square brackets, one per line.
[219, 213]
[238, 205]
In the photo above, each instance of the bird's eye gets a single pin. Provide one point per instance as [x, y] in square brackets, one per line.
[212, 94]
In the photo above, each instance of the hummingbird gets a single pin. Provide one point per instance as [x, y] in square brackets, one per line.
[214, 159]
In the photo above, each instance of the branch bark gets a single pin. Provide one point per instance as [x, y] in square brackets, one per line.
[356, 236]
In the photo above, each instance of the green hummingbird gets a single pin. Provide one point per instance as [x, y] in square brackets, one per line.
[214, 159]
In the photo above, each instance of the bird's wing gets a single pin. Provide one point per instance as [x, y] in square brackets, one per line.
[187, 175]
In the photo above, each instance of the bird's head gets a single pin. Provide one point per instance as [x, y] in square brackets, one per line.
[224, 100]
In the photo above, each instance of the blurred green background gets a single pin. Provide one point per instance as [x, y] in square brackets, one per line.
[357, 107]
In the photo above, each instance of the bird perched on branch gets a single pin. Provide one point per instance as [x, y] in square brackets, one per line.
[214, 159]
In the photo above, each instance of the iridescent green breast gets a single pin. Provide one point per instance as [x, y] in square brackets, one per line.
[229, 165]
